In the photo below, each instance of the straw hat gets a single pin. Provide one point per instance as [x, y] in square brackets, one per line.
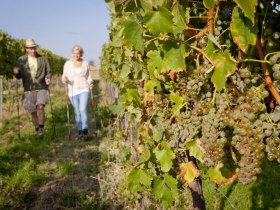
[30, 43]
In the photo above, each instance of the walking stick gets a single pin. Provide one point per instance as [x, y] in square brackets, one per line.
[68, 116]
[18, 119]
[92, 106]
[49, 94]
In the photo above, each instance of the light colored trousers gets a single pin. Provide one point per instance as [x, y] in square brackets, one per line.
[79, 103]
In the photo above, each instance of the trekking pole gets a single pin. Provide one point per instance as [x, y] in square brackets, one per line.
[92, 106]
[68, 116]
[18, 119]
[49, 94]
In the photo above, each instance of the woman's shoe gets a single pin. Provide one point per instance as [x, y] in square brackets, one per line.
[85, 134]
[80, 134]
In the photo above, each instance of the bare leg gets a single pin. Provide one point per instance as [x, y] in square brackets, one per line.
[41, 114]
[35, 119]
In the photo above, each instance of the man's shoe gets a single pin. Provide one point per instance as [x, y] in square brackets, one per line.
[40, 132]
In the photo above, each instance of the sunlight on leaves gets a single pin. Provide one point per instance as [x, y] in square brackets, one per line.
[216, 175]
[165, 190]
[224, 66]
[138, 178]
[243, 32]
[248, 8]
[159, 21]
[188, 171]
[165, 157]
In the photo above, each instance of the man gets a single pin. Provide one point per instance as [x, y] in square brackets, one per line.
[35, 72]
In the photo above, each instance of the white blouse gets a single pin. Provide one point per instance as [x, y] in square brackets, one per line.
[79, 77]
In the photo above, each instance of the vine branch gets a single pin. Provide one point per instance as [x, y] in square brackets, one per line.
[267, 79]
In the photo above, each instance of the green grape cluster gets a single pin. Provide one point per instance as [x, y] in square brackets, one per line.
[247, 122]
[272, 134]
[213, 138]
[238, 82]
[275, 62]
[194, 81]
[246, 139]
[213, 135]
[183, 129]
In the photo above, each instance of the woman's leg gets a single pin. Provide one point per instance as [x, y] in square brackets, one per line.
[76, 105]
[83, 109]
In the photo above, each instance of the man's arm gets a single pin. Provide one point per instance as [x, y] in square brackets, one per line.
[17, 69]
[48, 72]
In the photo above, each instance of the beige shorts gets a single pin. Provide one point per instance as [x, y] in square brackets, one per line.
[34, 98]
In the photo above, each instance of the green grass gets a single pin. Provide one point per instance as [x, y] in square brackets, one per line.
[35, 171]
[67, 168]
[264, 194]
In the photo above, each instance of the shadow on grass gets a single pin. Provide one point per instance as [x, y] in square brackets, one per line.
[266, 191]
[260, 195]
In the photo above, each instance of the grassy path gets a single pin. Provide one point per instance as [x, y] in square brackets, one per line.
[54, 172]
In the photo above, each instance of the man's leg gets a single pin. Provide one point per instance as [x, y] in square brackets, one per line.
[42, 99]
[41, 119]
[41, 114]
[29, 103]
[35, 119]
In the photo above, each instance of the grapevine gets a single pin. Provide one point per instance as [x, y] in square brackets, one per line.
[201, 80]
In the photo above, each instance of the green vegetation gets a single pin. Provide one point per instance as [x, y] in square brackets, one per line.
[199, 90]
[11, 49]
[196, 125]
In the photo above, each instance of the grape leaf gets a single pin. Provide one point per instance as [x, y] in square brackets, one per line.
[216, 175]
[209, 3]
[165, 190]
[179, 18]
[158, 134]
[214, 40]
[133, 34]
[165, 157]
[149, 4]
[195, 150]
[159, 21]
[132, 96]
[149, 89]
[248, 8]
[116, 40]
[125, 70]
[172, 183]
[188, 171]
[178, 102]
[174, 56]
[224, 66]
[138, 178]
[210, 48]
[154, 63]
[145, 155]
[242, 30]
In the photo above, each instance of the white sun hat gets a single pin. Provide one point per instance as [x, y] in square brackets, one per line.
[30, 43]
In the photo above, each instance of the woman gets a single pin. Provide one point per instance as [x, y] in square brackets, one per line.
[79, 82]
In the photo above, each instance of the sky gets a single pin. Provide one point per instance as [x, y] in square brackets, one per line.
[58, 25]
